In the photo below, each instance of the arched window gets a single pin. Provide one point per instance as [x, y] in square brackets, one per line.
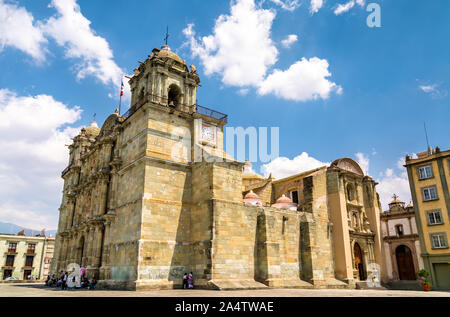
[399, 230]
[174, 95]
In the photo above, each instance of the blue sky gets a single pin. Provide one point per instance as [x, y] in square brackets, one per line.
[384, 83]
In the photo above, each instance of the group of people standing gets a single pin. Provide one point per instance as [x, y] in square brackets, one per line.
[188, 280]
[70, 281]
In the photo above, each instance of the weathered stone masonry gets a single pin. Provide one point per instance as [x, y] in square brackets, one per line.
[139, 212]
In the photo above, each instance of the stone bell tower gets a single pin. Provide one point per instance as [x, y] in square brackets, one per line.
[165, 78]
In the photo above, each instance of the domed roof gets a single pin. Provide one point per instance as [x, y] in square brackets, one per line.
[396, 200]
[166, 52]
[410, 205]
[93, 129]
[251, 195]
[284, 200]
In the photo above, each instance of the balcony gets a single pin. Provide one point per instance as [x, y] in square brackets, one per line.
[12, 251]
[31, 251]
[162, 101]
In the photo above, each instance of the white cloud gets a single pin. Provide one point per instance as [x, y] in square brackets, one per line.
[289, 40]
[389, 172]
[18, 30]
[240, 48]
[289, 5]
[72, 30]
[283, 167]
[302, 81]
[433, 90]
[364, 162]
[241, 51]
[315, 6]
[34, 131]
[342, 8]
[394, 181]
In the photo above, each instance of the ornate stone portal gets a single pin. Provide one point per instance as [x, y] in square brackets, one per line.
[139, 212]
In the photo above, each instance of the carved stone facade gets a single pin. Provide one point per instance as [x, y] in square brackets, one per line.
[343, 209]
[401, 246]
[149, 197]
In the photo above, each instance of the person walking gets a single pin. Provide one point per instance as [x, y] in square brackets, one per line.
[71, 283]
[191, 280]
[185, 281]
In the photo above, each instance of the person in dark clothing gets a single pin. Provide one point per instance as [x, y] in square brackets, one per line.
[92, 283]
[185, 281]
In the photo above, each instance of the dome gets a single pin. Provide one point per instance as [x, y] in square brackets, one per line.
[166, 52]
[285, 203]
[251, 195]
[284, 200]
[396, 200]
[410, 205]
[251, 199]
[93, 129]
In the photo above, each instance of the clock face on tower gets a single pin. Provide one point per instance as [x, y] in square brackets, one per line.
[208, 133]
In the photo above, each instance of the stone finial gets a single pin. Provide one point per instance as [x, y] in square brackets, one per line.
[193, 69]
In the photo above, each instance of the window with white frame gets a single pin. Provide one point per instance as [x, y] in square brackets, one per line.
[425, 172]
[439, 240]
[429, 193]
[434, 217]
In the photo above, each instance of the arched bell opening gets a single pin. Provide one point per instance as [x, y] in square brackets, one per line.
[174, 96]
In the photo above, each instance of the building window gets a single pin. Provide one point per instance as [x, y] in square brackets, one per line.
[12, 247]
[6, 274]
[294, 196]
[399, 230]
[425, 172]
[439, 240]
[9, 260]
[29, 260]
[31, 248]
[429, 193]
[434, 217]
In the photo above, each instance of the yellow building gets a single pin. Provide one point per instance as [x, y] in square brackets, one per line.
[24, 257]
[429, 177]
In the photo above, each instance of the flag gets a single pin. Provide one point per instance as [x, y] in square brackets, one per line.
[121, 89]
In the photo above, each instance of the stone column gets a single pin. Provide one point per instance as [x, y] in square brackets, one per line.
[104, 274]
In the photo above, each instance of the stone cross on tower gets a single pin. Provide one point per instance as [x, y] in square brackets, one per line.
[166, 38]
[395, 197]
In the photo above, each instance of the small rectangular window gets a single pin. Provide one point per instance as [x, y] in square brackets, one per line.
[294, 196]
[434, 217]
[12, 247]
[425, 172]
[439, 240]
[9, 260]
[429, 193]
[399, 229]
[29, 261]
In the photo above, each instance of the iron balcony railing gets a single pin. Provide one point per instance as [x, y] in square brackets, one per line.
[162, 101]
[211, 113]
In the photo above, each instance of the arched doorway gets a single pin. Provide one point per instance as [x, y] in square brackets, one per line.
[405, 263]
[359, 264]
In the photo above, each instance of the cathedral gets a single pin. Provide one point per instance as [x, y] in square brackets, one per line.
[149, 196]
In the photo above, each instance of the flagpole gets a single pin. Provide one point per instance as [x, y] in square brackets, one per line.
[120, 102]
